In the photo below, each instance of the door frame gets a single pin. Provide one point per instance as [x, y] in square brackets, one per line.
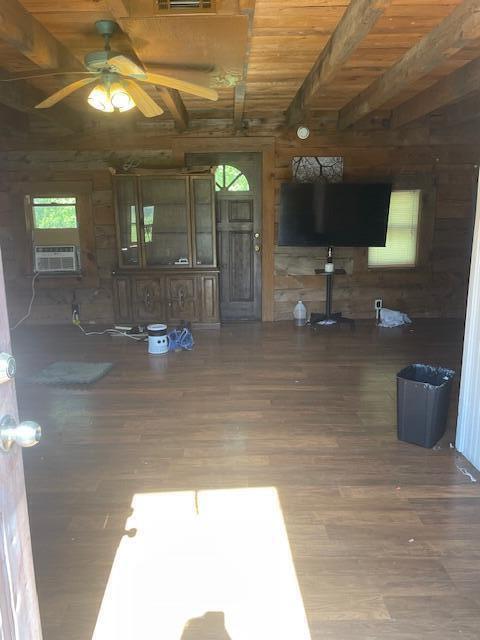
[265, 147]
[250, 164]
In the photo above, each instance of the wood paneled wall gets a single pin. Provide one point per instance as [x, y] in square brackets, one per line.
[442, 163]
[447, 177]
[53, 299]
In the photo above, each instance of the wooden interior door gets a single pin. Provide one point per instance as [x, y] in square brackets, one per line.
[19, 616]
[239, 254]
[239, 240]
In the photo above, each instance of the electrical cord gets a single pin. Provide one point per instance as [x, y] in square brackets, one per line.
[29, 311]
[109, 332]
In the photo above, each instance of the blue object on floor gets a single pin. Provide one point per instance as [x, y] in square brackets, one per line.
[72, 373]
[180, 339]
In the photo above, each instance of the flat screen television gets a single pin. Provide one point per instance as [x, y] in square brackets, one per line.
[334, 215]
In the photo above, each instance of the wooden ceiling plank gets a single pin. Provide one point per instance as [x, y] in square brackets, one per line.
[26, 34]
[355, 24]
[458, 30]
[174, 103]
[448, 90]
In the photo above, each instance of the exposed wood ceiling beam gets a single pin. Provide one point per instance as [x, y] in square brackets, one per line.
[228, 7]
[240, 92]
[239, 105]
[23, 32]
[119, 8]
[174, 103]
[450, 89]
[355, 24]
[23, 97]
[460, 29]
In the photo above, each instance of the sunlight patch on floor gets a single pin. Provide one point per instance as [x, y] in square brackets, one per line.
[199, 552]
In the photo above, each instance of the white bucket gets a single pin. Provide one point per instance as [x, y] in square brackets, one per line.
[157, 338]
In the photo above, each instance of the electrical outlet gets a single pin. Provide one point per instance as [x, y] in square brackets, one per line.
[76, 313]
[378, 304]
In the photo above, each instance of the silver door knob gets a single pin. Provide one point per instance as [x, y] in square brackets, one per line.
[7, 367]
[25, 434]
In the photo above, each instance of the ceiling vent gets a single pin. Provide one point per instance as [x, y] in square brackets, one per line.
[186, 6]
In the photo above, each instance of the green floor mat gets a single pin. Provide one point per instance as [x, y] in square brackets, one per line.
[72, 373]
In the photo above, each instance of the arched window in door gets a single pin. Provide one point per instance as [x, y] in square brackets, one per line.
[229, 178]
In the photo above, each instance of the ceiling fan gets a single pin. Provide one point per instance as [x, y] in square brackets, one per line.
[117, 79]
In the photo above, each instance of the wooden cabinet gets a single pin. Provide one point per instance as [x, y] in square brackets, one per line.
[165, 222]
[170, 297]
[166, 249]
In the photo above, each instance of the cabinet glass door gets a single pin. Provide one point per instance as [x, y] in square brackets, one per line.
[165, 221]
[127, 221]
[203, 214]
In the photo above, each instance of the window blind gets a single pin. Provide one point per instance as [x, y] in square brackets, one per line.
[400, 249]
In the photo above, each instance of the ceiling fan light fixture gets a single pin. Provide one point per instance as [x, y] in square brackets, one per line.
[110, 98]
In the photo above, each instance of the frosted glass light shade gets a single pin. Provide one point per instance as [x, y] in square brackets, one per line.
[108, 100]
[99, 99]
[120, 99]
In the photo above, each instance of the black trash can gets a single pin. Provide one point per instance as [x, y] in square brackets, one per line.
[423, 396]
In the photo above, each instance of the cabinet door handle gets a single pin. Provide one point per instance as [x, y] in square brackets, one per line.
[147, 298]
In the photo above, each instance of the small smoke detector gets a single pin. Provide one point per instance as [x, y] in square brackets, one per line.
[303, 132]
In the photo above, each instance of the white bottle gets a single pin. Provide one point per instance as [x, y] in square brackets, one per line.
[300, 314]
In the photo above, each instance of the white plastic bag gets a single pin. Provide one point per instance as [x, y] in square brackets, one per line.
[390, 318]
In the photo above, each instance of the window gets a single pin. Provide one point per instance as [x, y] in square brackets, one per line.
[229, 178]
[59, 219]
[54, 213]
[400, 249]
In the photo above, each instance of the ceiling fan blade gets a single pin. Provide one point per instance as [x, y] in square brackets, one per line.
[180, 85]
[144, 102]
[125, 66]
[50, 74]
[64, 92]
[181, 66]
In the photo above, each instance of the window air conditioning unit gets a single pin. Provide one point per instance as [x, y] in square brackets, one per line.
[52, 259]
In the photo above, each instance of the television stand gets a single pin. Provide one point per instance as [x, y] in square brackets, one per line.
[330, 317]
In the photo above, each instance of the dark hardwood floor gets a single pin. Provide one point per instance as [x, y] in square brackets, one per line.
[385, 536]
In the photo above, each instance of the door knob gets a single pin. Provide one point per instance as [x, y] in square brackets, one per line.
[7, 367]
[25, 434]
